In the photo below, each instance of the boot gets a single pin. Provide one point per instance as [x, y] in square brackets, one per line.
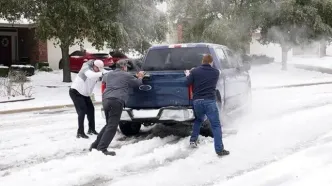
[92, 146]
[193, 145]
[109, 153]
[223, 153]
[82, 135]
[90, 132]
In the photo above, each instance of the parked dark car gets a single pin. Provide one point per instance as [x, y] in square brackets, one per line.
[164, 96]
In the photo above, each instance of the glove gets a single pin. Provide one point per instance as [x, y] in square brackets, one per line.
[187, 72]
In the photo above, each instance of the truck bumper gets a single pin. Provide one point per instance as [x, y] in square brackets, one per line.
[166, 114]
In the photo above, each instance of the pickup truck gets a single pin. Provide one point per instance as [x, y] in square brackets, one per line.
[164, 96]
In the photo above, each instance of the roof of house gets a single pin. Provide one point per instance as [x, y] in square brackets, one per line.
[18, 23]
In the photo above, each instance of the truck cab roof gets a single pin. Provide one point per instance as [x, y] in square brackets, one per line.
[183, 45]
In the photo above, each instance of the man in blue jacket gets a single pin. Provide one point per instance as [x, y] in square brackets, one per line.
[204, 80]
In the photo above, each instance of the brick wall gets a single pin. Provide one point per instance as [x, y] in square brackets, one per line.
[30, 46]
[39, 51]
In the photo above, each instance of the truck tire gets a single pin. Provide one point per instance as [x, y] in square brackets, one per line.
[206, 125]
[130, 128]
[206, 129]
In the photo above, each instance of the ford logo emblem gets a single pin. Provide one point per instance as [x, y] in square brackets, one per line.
[145, 87]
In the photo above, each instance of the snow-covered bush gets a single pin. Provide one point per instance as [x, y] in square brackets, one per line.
[42, 64]
[16, 84]
[3, 71]
[46, 69]
[28, 70]
[259, 59]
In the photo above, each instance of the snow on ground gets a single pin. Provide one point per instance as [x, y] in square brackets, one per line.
[325, 62]
[48, 90]
[311, 166]
[40, 148]
[286, 140]
[271, 75]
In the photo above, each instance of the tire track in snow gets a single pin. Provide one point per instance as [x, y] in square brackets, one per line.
[145, 163]
[241, 165]
[151, 144]
[31, 161]
[288, 152]
[160, 157]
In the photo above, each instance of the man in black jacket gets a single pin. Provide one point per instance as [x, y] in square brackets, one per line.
[114, 98]
[204, 80]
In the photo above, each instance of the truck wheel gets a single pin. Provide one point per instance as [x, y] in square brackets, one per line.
[206, 126]
[130, 128]
[206, 129]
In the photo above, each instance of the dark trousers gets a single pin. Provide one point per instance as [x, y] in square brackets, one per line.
[113, 110]
[83, 106]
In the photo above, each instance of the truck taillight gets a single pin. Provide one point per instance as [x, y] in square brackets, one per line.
[103, 87]
[190, 90]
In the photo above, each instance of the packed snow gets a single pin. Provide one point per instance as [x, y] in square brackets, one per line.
[286, 140]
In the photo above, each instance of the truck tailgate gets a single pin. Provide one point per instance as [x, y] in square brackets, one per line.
[160, 89]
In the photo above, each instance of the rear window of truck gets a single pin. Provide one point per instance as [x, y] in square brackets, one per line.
[174, 58]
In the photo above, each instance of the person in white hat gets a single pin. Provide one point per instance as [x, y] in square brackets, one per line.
[80, 92]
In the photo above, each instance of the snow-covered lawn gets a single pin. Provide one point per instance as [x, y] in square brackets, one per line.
[325, 62]
[271, 75]
[48, 90]
[269, 148]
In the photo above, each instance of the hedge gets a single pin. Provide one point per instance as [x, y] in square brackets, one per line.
[42, 64]
[46, 69]
[4, 71]
[258, 59]
[28, 69]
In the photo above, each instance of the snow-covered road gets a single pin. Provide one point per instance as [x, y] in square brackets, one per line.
[41, 148]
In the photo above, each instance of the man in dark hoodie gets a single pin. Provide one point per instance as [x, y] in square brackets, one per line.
[114, 98]
[204, 81]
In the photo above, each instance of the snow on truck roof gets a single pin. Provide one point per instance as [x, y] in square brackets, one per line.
[183, 45]
[95, 51]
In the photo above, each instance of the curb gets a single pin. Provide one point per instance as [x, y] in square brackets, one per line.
[15, 111]
[17, 100]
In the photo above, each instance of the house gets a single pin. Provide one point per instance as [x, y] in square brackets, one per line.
[19, 44]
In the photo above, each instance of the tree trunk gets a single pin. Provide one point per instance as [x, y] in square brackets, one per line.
[322, 48]
[65, 62]
[284, 57]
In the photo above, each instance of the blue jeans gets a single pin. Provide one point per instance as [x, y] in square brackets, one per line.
[209, 108]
